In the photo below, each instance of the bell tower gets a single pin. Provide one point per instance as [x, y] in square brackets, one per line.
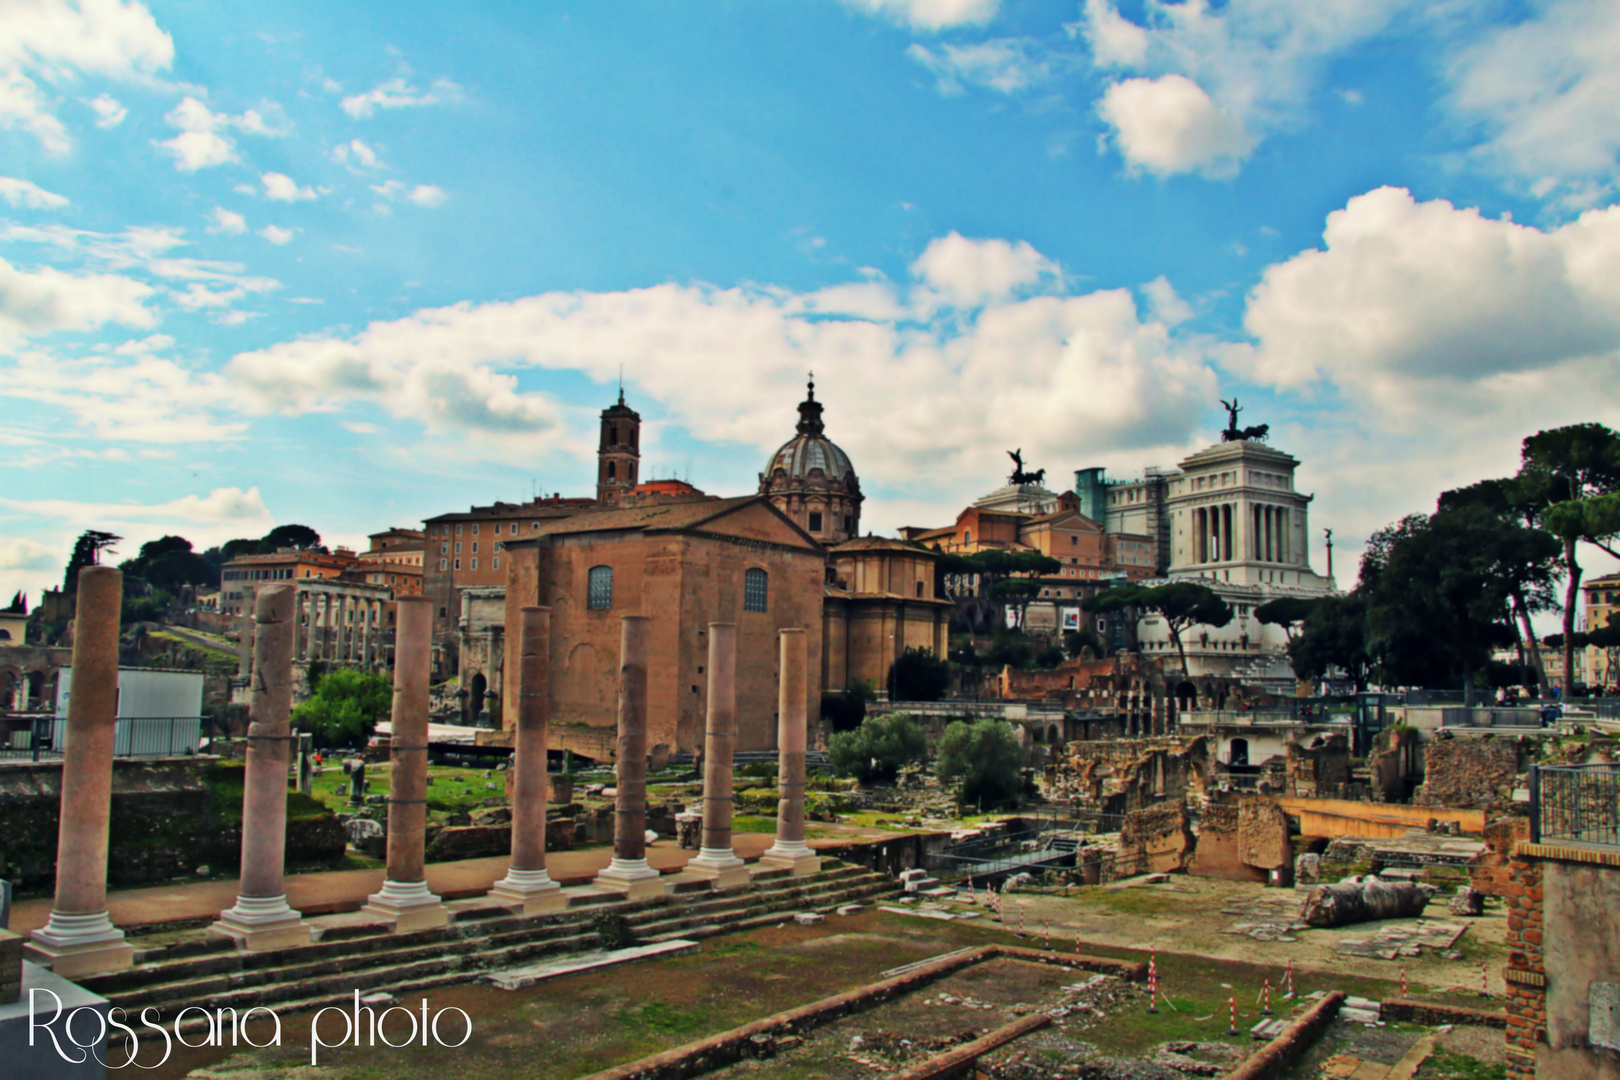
[618, 456]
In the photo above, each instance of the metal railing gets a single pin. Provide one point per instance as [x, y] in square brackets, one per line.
[140, 736]
[1575, 804]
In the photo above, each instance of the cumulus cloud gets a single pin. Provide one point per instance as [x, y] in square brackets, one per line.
[357, 152]
[1164, 304]
[109, 111]
[420, 194]
[400, 94]
[1169, 125]
[1546, 91]
[282, 188]
[204, 140]
[930, 15]
[1215, 80]
[227, 221]
[55, 40]
[427, 195]
[22, 194]
[962, 347]
[46, 301]
[19, 553]
[1412, 307]
[969, 273]
[131, 396]
[276, 234]
[1006, 66]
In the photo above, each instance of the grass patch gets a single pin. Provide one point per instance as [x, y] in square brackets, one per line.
[752, 823]
[1445, 1065]
[664, 1017]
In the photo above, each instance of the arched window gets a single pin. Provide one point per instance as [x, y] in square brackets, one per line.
[756, 585]
[5, 635]
[599, 588]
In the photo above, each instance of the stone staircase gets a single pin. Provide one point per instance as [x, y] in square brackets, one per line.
[207, 971]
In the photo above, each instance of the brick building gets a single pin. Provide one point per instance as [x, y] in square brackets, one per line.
[880, 600]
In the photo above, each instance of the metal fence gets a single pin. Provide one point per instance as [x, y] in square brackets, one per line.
[143, 736]
[1575, 804]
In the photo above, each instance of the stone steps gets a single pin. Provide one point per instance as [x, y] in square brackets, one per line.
[367, 958]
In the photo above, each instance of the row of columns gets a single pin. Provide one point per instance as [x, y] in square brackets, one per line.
[340, 627]
[1217, 533]
[80, 938]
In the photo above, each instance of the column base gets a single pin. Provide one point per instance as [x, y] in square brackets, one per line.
[409, 906]
[76, 945]
[263, 923]
[528, 892]
[794, 856]
[632, 877]
[721, 866]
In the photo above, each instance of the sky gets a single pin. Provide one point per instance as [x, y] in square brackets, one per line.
[356, 265]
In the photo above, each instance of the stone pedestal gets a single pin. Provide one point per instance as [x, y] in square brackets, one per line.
[79, 938]
[261, 919]
[405, 899]
[527, 887]
[790, 851]
[628, 872]
[716, 859]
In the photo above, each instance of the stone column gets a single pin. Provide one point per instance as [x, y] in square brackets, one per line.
[628, 872]
[80, 939]
[300, 634]
[261, 918]
[405, 900]
[527, 886]
[244, 643]
[365, 633]
[716, 860]
[790, 850]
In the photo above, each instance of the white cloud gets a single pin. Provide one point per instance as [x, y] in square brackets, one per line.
[222, 514]
[1417, 308]
[969, 273]
[204, 140]
[427, 195]
[109, 111]
[1169, 125]
[930, 15]
[282, 188]
[227, 221]
[1062, 375]
[56, 41]
[19, 553]
[1218, 79]
[45, 301]
[1164, 304]
[1546, 92]
[1005, 65]
[132, 396]
[276, 234]
[399, 94]
[23, 193]
[363, 156]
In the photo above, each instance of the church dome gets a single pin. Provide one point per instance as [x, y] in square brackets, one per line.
[810, 450]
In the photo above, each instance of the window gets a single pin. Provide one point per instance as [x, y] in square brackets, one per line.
[1074, 541]
[458, 528]
[458, 564]
[849, 523]
[444, 564]
[919, 590]
[537, 526]
[967, 536]
[612, 471]
[444, 549]
[458, 547]
[815, 521]
[475, 564]
[500, 547]
[494, 564]
[599, 588]
[756, 583]
[475, 528]
[475, 547]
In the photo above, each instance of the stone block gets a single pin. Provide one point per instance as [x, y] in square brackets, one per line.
[1468, 901]
[1263, 836]
[689, 831]
[809, 918]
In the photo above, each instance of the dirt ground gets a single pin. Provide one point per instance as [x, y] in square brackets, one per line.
[570, 1027]
[1185, 916]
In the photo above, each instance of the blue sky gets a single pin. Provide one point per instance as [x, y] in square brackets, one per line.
[356, 265]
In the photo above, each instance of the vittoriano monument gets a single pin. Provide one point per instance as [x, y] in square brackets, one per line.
[1233, 433]
[1019, 476]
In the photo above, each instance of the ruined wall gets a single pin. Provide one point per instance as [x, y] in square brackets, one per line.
[1470, 772]
[1242, 841]
[1117, 776]
[1319, 770]
[1157, 840]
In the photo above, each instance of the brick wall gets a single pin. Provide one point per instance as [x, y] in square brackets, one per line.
[1526, 973]
[1470, 772]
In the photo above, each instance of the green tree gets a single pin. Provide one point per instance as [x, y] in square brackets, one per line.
[87, 551]
[300, 537]
[1288, 612]
[919, 675]
[1333, 637]
[1182, 605]
[982, 760]
[1571, 469]
[1076, 642]
[990, 568]
[345, 707]
[875, 751]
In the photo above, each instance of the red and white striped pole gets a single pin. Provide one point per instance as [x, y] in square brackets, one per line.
[1046, 935]
[1077, 943]
[1404, 994]
[1020, 918]
[1290, 976]
[1265, 998]
[1231, 1003]
[1485, 979]
[1153, 982]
